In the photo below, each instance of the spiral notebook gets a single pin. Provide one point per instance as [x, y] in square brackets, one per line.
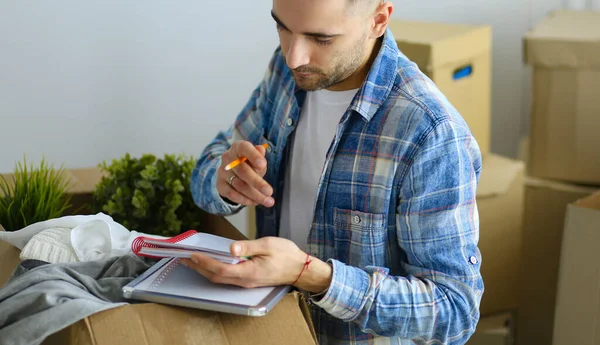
[184, 245]
[170, 282]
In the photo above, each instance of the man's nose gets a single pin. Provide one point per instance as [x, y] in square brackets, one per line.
[298, 53]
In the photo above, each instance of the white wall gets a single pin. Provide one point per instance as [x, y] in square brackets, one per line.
[86, 81]
[83, 81]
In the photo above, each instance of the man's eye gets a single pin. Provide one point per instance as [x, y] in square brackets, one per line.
[323, 41]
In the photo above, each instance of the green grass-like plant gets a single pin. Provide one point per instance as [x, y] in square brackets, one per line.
[34, 194]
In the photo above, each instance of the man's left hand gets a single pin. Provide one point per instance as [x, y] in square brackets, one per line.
[274, 261]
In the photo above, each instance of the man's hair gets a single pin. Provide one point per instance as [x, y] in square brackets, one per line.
[364, 2]
[362, 5]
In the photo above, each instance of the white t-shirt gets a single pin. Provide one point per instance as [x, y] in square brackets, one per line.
[321, 113]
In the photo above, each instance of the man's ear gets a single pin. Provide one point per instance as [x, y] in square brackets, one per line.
[381, 18]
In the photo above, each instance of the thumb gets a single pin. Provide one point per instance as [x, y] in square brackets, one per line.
[249, 248]
[261, 149]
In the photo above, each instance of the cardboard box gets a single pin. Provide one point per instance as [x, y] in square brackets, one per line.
[577, 318]
[458, 60]
[545, 208]
[9, 259]
[523, 151]
[251, 222]
[156, 324]
[564, 51]
[494, 330]
[500, 196]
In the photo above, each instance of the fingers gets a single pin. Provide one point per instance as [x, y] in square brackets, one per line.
[229, 192]
[254, 157]
[219, 272]
[253, 186]
[261, 246]
[241, 192]
[262, 149]
[244, 184]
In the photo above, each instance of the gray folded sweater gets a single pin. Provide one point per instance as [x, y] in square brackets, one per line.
[41, 298]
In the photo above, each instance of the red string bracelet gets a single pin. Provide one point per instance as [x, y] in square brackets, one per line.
[305, 267]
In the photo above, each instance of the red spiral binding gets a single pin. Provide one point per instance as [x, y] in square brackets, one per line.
[140, 242]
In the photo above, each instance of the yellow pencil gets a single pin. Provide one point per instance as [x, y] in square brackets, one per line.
[241, 160]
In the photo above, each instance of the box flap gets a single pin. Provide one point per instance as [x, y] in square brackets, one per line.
[9, 259]
[559, 186]
[493, 330]
[306, 313]
[84, 180]
[566, 38]
[497, 174]
[544, 220]
[432, 45]
[156, 324]
[500, 323]
[591, 202]
[577, 314]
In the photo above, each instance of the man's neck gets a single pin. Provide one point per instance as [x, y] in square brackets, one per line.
[356, 79]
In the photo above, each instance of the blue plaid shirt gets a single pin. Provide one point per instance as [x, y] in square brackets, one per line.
[395, 214]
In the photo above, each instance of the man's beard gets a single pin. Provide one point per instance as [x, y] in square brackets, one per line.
[345, 66]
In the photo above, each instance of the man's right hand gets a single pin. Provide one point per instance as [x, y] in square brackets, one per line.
[244, 184]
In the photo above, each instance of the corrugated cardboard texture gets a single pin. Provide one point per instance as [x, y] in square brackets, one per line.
[564, 50]
[251, 222]
[523, 151]
[500, 203]
[439, 44]
[577, 319]
[565, 39]
[9, 259]
[155, 324]
[440, 50]
[545, 208]
[564, 125]
[494, 330]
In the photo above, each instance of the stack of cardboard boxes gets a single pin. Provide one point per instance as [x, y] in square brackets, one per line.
[563, 167]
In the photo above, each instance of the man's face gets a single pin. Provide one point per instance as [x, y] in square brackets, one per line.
[322, 41]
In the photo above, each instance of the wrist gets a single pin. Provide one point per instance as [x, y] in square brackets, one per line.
[315, 277]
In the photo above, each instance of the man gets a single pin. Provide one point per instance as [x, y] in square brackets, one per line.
[365, 194]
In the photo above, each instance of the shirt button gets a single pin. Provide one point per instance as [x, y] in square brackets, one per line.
[269, 149]
[356, 219]
[290, 121]
[473, 260]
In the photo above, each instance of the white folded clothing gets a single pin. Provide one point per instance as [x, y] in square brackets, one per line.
[51, 245]
[92, 237]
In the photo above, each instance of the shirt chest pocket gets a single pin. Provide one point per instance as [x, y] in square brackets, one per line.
[360, 238]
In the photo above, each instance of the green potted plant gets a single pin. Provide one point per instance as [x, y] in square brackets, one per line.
[33, 194]
[148, 194]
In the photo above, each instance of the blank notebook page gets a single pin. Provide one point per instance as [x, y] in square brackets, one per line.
[199, 240]
[176, 279]
[208, 241]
